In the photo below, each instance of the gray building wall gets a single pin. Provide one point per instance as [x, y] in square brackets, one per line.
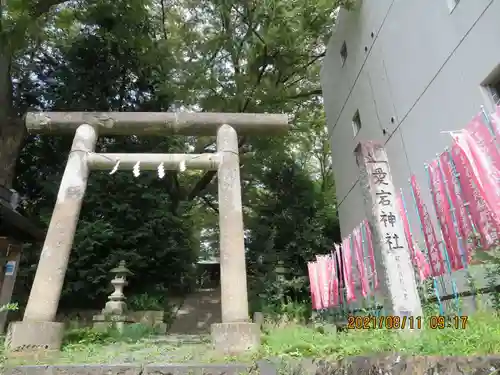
[413, 69]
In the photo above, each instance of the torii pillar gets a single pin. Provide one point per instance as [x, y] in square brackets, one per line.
[236, 333]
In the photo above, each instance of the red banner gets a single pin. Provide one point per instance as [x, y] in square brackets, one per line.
[324, 291]
[418, 258]
[431, 242]
[482, 215]
[348, 276]
[486, 158]
[324, 282]
[334, 282]
[454, 192]
[357, 237]
[495, 122]
[443, 212]
[340, 271]
[371, 253]
[312, 268]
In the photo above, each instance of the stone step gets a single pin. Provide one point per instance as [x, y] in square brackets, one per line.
[150, 369]
[198, 312]
[179, 339]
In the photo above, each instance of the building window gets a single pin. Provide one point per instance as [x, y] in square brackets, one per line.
[452, 4]
[343, 53]
[356, 123]
[494, 90]
[491, 86]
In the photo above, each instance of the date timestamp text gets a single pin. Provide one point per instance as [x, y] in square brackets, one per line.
[384, 322]
[406, 322]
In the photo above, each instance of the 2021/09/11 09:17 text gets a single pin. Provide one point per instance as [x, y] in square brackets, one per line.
[406, 322]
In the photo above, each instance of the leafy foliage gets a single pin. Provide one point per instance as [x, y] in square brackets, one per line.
[293, 341]
[491, 260]
[159, 55]
[90, 336]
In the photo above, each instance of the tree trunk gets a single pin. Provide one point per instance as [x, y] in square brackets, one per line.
[12, 130]
[11, 137]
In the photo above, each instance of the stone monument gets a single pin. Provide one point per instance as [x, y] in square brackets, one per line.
[392, 256]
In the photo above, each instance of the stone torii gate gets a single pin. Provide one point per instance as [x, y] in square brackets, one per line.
[38, 330]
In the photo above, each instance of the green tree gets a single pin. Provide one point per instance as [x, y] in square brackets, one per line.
[20, 24]
[158, 55]
[142, 221]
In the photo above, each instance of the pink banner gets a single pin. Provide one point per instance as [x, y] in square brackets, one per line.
[495, 122]
[314, 285]
[443, 212]
[431, 242]
[482, 215]
[486, 158]
[334, 282]
[371, 253]
[324, 279]
[357, 237]
[417, 256]
[406, 226]
[458, 206]
[340, 272]
[423, 267]
[348, 276]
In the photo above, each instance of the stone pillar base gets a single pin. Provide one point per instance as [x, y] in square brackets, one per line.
[235, 338]
[29, 336]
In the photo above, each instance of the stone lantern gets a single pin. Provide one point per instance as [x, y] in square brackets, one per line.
[116, 301]
[115, 310]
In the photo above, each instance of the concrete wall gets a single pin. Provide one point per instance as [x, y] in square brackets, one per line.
[413, 69]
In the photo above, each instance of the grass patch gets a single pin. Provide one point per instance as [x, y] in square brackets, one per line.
[290, 340]
[482, 336]
[83, 336]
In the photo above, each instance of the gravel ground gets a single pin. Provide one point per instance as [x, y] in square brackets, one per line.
[175, 348]
[165, 349]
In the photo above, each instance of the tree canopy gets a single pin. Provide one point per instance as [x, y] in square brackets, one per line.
[171, 55]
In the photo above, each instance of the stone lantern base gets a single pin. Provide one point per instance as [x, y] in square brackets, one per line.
[104, 322]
